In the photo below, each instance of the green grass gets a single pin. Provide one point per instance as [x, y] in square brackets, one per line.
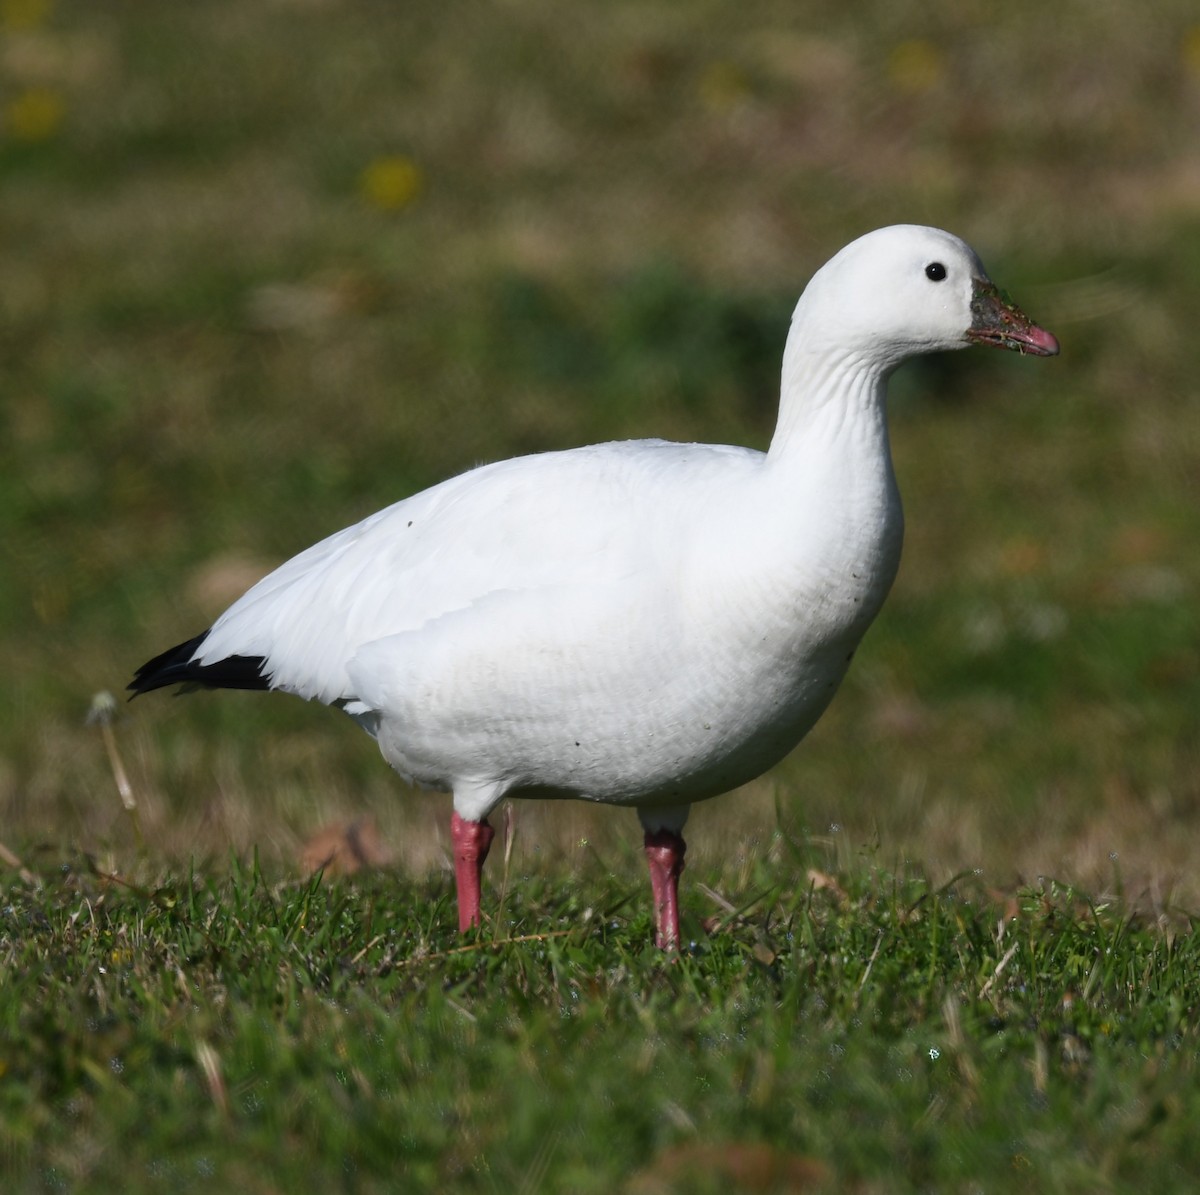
[215, 347]
[233, 1034]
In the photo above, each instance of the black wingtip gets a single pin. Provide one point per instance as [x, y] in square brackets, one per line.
[175, 666]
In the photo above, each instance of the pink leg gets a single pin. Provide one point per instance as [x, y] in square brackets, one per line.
[664, 852]
[471, 842]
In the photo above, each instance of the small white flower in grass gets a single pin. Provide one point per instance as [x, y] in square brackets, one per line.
[934, 1053]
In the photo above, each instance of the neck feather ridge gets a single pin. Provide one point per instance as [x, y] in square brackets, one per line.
[827, 395]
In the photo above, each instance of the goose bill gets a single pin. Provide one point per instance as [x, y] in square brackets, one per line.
[997, 320]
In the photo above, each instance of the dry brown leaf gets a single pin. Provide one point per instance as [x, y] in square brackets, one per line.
[736, 1165]
[822, 881]
[344, 848]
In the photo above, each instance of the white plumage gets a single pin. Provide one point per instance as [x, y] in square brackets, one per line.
[639, 623]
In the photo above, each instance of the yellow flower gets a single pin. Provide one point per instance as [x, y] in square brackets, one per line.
[915, 66]
[50, 603]
[23, 14]
[723, 86]
[35, 115]
[1191, 48]
[391, 182]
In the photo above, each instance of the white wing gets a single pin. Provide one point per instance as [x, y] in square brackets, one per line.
[587, 517]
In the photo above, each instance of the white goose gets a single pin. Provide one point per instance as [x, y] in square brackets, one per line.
[640, 623]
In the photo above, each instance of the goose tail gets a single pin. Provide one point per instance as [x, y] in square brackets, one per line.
[178, 666]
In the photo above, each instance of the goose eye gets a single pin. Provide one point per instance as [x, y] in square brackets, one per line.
[935, 271]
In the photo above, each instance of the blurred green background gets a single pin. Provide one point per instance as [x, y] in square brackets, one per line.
[268, 265]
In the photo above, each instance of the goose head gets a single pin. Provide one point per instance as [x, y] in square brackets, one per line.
[906, 290]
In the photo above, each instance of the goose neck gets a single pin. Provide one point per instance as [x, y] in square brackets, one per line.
[829, 396]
